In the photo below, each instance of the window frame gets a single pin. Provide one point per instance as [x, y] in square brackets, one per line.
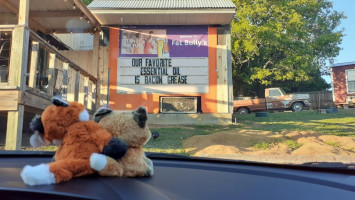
[352, 91]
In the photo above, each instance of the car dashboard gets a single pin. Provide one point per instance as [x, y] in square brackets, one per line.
[178, 177]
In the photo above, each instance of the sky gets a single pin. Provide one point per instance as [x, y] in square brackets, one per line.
[347, 54]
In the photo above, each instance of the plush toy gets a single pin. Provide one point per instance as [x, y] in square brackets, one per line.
[68, 125]
[130, 127]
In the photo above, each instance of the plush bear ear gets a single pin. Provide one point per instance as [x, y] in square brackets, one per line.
[140, 116]
[100, 113]
[36, 124]
[59, 102]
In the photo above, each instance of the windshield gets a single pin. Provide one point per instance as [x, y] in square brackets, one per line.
[201, 76]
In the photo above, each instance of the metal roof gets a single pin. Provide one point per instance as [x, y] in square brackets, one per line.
[162, 4]
[343, 64]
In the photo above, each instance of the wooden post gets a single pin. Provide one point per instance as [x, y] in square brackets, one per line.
[222, 85]
[51, 74]
[14, 129]
[23, 12]
[17, 75]
[95, 64]
[65, 80]
[89, 96]
[86, 91]
[33, 65]
[77, 85]
[19, 57]
[229, 68]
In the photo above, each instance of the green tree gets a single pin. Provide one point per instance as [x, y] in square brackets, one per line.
[283, 42]
[87, 2]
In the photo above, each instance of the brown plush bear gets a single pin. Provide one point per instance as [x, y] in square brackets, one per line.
[66, 124]
[130, 127]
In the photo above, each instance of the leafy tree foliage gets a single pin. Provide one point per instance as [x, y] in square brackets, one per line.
[87, 2]
[283, 43]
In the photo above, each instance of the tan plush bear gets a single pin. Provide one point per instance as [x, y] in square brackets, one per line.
[67, 124]
[130, 127]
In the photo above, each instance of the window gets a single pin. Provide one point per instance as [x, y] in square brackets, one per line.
[274, 93]
[350, 78]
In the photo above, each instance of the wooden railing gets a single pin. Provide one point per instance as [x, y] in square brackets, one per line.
[5, 48]
[49, 72]
[52, 73]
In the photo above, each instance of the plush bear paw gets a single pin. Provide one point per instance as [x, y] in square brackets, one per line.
[98, 161]
[37, 175]
[149, 171]
[115, 149]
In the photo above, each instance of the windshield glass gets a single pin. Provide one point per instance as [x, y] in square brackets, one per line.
[201, 76]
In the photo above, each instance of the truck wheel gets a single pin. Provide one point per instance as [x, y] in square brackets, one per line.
[297, 106]
[243, 111]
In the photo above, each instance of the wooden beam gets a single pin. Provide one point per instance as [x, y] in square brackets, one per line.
[14, 129]
[95, 64]
[35, 101]
[89, 97]
[222, 70]
[24, 9]
[9, 100]
[65, 80]
[82, 7]
[69, 30]
[62, 13]
[229, 66]
[7, 26]
[77, 85]
[51, 74]
[18, 58]
[86, 91]
[33, 65]
[15, 10]
[81, 92]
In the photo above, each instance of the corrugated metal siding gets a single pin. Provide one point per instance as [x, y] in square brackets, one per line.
[160, 4]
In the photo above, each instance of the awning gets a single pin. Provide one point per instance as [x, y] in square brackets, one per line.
[163, 12]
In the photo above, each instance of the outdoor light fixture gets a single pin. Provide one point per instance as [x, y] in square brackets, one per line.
[81, 17]
[74, 7]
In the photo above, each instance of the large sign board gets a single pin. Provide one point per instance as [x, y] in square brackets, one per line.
[163, 59]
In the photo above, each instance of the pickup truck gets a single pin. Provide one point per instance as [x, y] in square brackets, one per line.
[275, 99]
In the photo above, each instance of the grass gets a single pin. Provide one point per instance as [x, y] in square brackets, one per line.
[262, 145]
[332, 143]
[293, 145]
[43, 148]
[341, 123]
[170, 139]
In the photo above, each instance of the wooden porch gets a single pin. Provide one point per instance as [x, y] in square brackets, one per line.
[33, 70]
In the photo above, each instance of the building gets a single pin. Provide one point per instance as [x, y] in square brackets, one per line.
[172, 57]
[35, 66]
[343, 80]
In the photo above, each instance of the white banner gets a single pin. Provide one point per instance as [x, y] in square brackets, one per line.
[162, 75]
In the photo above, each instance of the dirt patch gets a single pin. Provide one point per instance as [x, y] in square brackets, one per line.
[265, 146]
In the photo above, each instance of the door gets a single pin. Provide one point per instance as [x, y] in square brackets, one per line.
[274, 99]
